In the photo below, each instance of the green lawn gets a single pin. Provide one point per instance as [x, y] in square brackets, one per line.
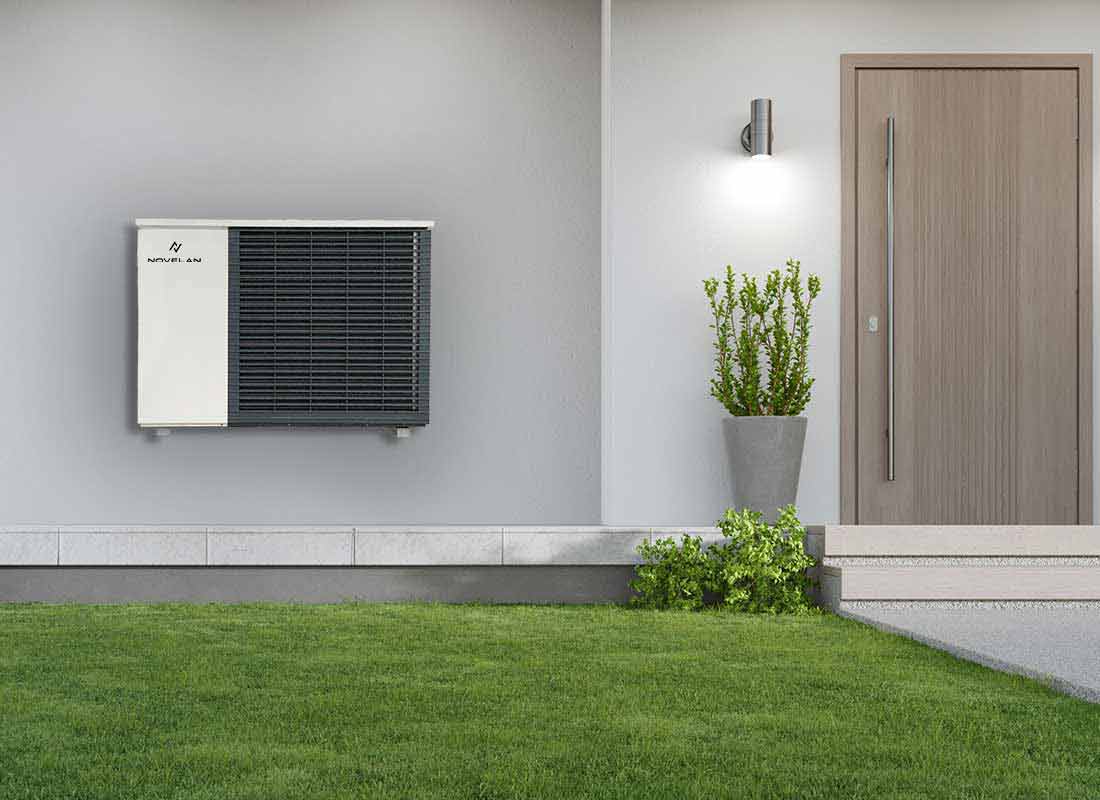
[419, 701]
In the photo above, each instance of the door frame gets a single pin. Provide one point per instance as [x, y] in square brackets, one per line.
[850, 64]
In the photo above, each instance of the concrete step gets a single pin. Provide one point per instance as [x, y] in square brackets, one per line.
[1021, 598]
[889, 582]
[962, 540]
[960, 563]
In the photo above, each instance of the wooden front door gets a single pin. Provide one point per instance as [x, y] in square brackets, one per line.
[967, 367]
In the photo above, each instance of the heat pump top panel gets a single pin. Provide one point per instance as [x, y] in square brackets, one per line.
[283, 322]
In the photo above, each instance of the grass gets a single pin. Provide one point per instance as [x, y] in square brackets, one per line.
[421, 701]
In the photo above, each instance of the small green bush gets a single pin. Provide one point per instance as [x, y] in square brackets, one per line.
[757, 568]
[675, 576]
[761, 568]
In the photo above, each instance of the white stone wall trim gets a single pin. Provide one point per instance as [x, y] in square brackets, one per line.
[308, 546]
[29, 546]
[280, 547]
[443, 546]
[132, 547]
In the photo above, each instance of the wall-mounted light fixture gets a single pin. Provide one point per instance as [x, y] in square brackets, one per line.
[756, 137]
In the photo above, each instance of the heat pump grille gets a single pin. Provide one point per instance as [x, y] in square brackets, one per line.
[329, 326]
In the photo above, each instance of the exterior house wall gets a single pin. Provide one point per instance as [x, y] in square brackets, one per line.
[484, 116]
[683, 200]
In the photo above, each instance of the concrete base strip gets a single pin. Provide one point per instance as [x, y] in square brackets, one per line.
[495, 584]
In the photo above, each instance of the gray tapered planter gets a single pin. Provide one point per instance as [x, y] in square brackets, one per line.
[765, 458]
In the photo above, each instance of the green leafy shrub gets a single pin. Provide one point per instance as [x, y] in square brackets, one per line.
[757, 330]
[757, 568]
[760, 567]
[674, 576]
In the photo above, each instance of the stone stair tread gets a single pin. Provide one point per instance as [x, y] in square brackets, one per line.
[962, 540]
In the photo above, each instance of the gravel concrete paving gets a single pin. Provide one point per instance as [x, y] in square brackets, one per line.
[1057, 643]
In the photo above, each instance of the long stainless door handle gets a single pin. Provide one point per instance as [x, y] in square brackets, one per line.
[890, 475]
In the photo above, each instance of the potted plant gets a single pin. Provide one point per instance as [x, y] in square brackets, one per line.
[762, 339]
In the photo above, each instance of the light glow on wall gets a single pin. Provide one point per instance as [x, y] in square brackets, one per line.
[754, 188]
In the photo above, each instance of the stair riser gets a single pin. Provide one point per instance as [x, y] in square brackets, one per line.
[962, 583]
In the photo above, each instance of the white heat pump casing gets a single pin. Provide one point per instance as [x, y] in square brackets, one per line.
[183, 324]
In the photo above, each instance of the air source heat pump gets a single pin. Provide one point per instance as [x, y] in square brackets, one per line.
[283, 322]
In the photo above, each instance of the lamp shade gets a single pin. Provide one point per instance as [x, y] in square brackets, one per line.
[757, 138]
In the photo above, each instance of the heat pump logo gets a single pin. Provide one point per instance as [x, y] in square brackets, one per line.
[174, 248]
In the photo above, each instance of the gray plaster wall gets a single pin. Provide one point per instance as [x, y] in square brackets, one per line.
[482, 115]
